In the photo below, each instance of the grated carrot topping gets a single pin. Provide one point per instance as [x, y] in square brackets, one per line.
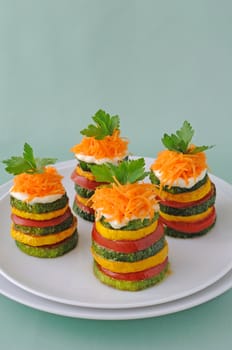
[175, 165]
[111, 146]
[125, 202]
[39, 184]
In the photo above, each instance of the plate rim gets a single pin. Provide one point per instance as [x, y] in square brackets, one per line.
[23, 297]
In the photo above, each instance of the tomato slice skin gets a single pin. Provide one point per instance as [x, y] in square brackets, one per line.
[83, 207]
[136, 276]
[40, 223]
[191, 227]
[189, 204]
[84, 182]
[128, 246]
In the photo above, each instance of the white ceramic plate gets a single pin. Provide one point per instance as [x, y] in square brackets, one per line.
[195, 263]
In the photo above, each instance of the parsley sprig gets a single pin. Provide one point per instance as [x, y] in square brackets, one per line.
[27, 163]
[180, 141]
[104, 125]
[128, 171]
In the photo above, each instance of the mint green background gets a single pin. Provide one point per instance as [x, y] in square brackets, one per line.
[155, 63]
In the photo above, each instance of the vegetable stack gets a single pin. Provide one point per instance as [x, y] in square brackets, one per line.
[101, 143]
[128, 244]
[42, 222]
[187, 194]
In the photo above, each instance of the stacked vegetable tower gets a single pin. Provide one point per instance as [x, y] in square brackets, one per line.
[42, 222]
[101, 143]
[187, 194]
[128, 244]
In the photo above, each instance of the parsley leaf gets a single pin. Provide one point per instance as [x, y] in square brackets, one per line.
[28, 156]
[198, 149]
[16, 165]
[105, 125]
[41, 163]
[27, 163]
[180, 141]
[128, 171]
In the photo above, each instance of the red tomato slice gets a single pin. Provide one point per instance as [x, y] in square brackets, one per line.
[128, 246]
[136, 276]
[84, 182]
[83, 207]
[40, 223]
[192, 227]
[189, 204]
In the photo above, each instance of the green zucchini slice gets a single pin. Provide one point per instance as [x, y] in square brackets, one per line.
[39, 208]
[128, 257]
[129, 285]
[52, 251]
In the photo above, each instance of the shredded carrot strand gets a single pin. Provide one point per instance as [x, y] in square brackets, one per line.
[174, 165]
[39, 185]
[111, 146]
[125, 202]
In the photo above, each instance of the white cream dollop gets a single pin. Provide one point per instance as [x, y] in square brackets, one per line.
[92, 159]
[181, 182]
[45, 199]
[119, 224]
